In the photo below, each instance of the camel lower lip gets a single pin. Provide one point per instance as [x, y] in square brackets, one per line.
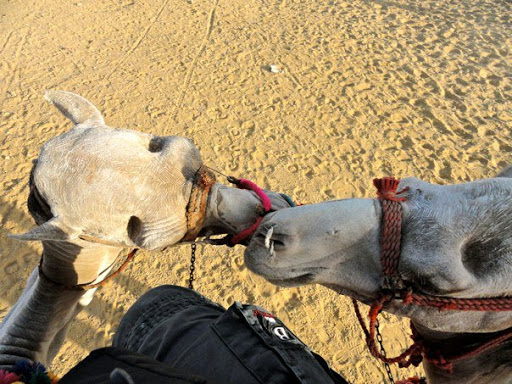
[297, 280]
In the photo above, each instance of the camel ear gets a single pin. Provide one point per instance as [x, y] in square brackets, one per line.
[53, 229]
[506, 172]
[74, 107]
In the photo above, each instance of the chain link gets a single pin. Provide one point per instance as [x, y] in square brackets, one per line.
[383, 352]
[192, 266]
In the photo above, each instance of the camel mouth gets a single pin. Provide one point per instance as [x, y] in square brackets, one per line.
[273, 254]
[261, 262]
[305, 279]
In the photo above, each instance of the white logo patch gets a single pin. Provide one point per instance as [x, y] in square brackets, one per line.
[281, 333]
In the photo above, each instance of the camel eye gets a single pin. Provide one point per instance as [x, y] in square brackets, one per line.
[156, 144]
[484, 255]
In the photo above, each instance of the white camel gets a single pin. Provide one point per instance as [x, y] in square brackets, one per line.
[456, 242]
[96, 191]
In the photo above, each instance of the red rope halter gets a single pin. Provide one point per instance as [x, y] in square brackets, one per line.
[266, 206]
[265, 201]
[393, 287]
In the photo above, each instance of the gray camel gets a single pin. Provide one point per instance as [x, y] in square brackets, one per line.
[456, 242]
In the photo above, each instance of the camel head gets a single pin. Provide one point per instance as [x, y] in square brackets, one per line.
[456, 241]
[96, 189]
[114, 186]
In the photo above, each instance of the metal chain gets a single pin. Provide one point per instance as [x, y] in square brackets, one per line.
[383, 352]
[192, 266]
[377, 330]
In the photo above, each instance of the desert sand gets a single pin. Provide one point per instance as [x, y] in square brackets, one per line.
[361, 89]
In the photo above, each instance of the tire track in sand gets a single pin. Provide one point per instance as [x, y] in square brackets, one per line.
[139, 39]
[15, 77]
[190, 72]
[6, 42]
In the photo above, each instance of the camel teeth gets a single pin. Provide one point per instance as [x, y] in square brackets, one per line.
[272, 249]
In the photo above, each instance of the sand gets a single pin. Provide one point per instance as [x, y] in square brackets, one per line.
[362, 89]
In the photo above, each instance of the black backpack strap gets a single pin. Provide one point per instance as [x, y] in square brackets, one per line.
[271, 339]
[118, 366]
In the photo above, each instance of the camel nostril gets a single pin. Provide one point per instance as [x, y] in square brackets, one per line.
[134, 228]
[278, 243]
[270, 239]
[260, 236]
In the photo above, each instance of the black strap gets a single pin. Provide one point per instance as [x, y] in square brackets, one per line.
[101, 365]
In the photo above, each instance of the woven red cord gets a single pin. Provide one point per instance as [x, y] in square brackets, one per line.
[411, 355]
[249, 185]
[394, 287]
[265, 201]
[476, 351]
[87, 286]
[386, 189]
[412, 380]
[391, 232]
[239, 237]
[485, 304]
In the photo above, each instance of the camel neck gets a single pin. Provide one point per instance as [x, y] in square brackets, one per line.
[70, 264]
[492, 365]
